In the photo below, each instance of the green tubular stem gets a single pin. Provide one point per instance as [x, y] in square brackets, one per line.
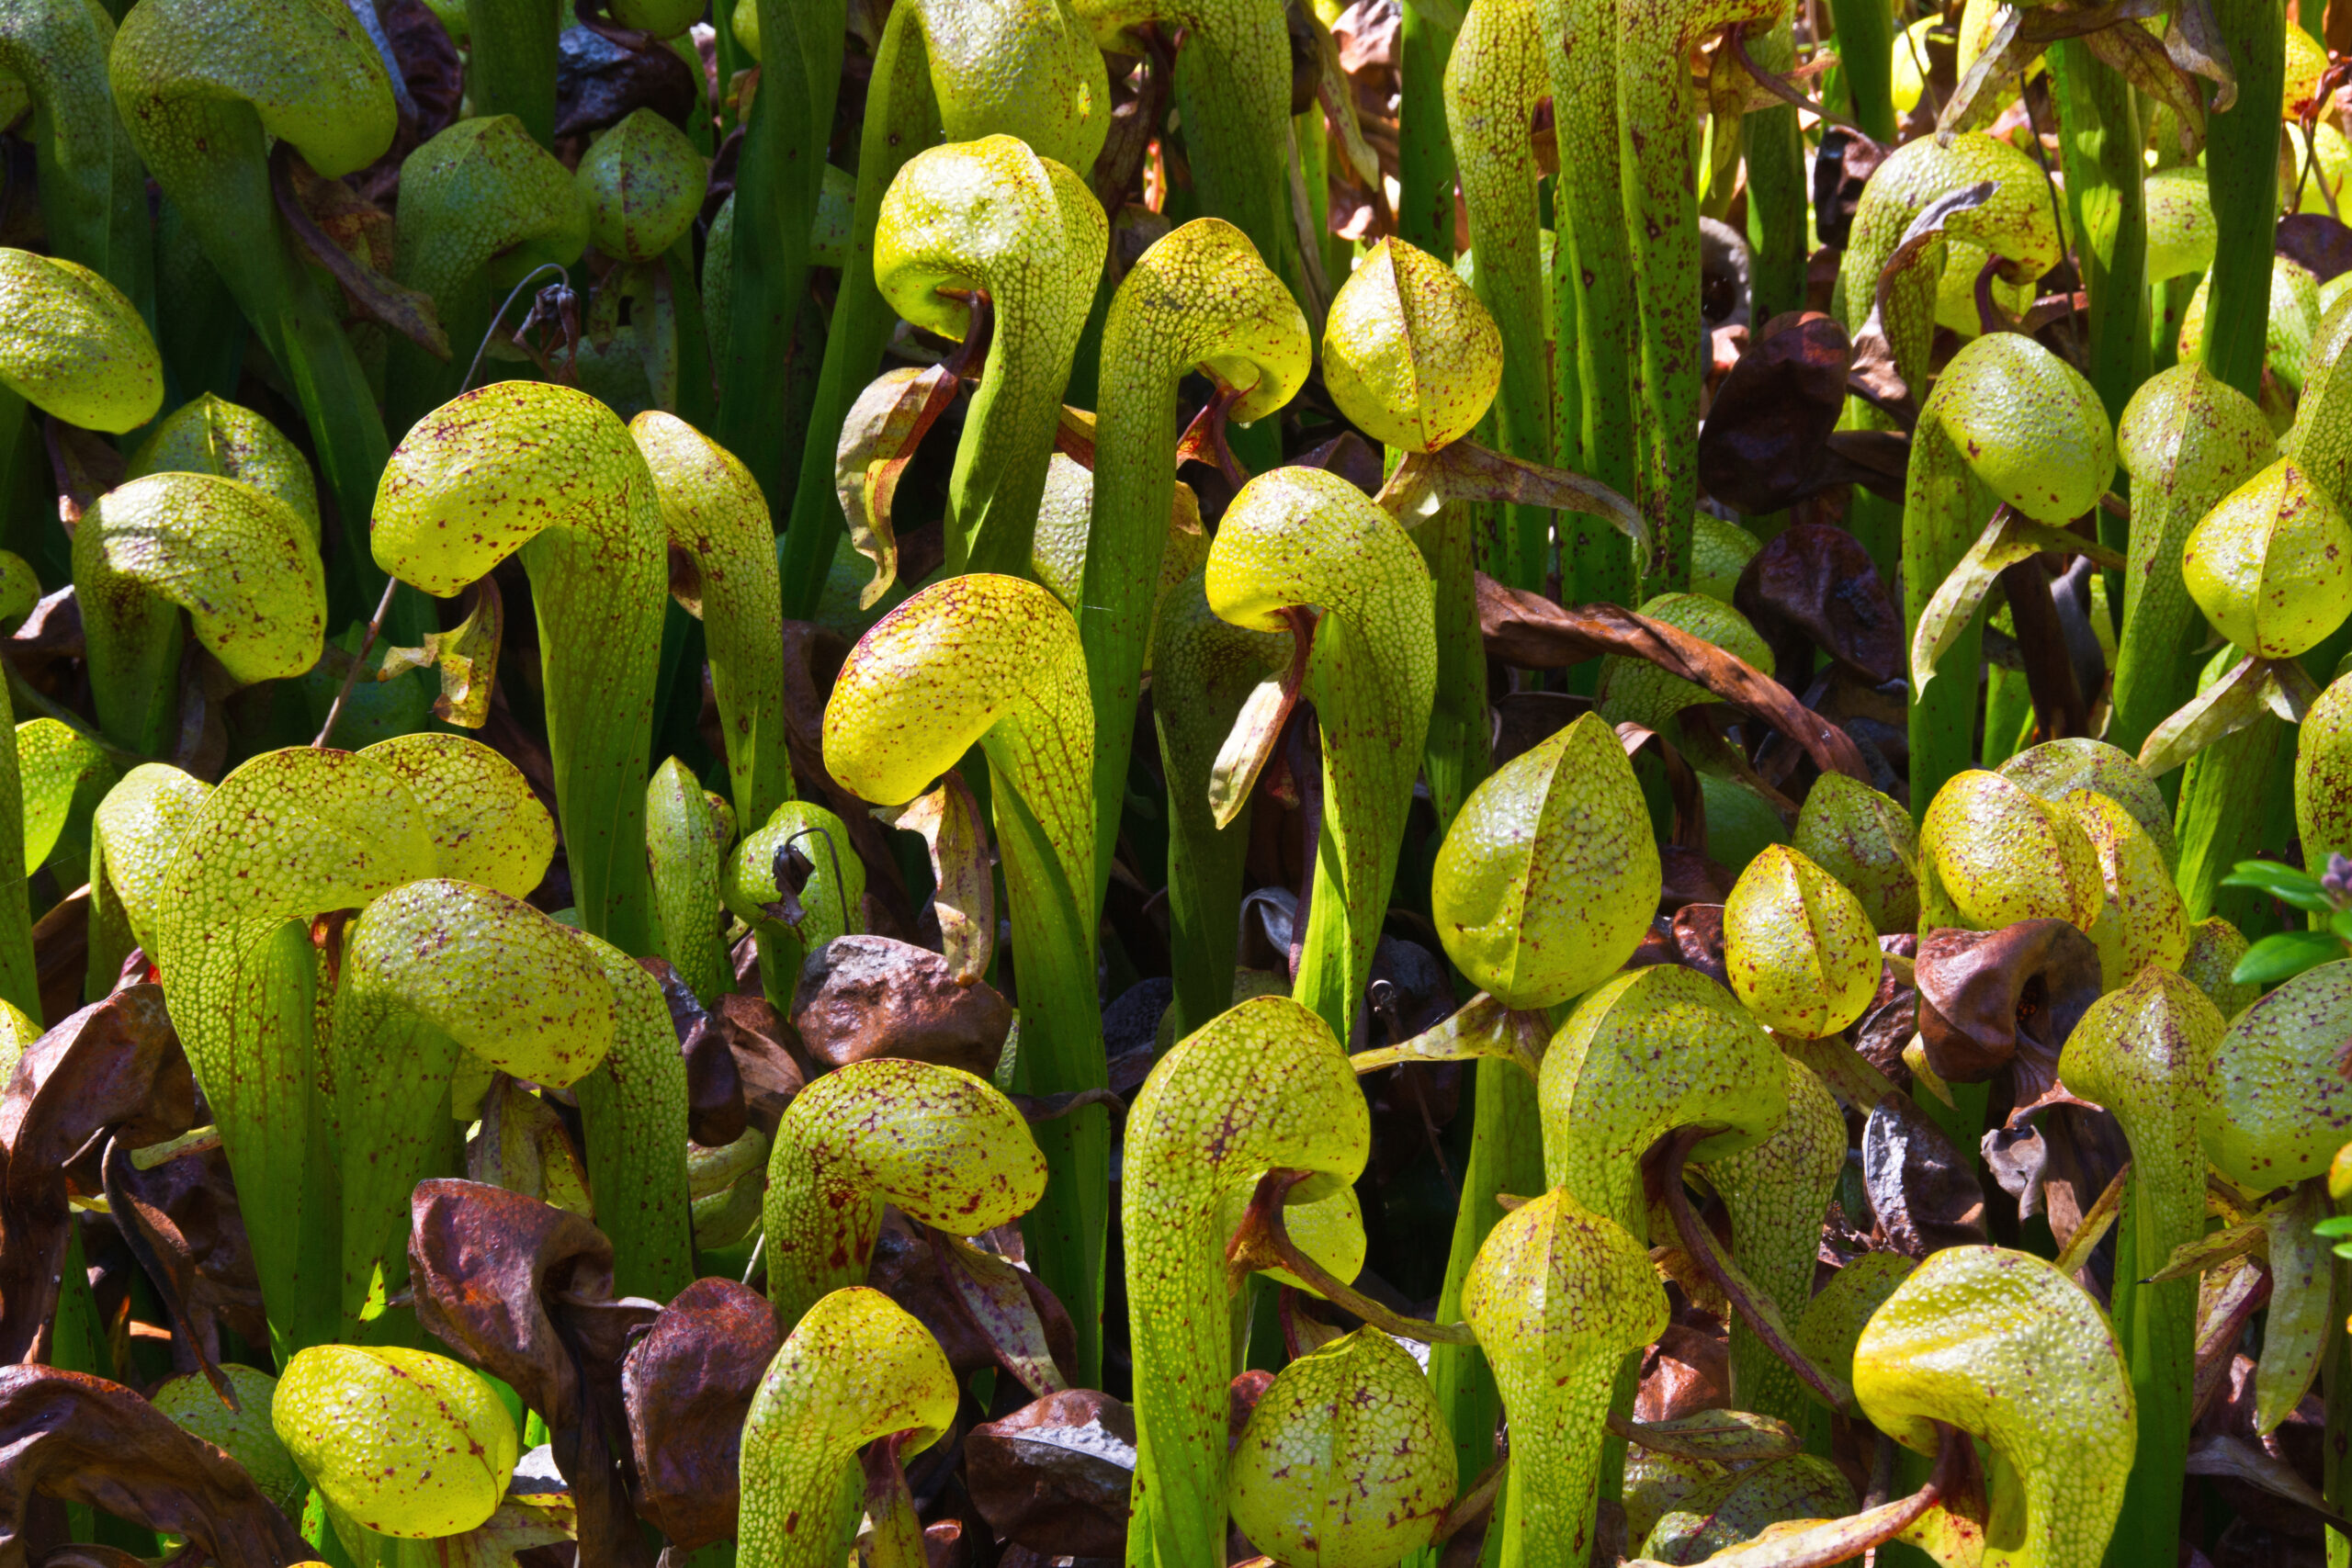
[201, 93]
[1204, 670]
[1331, 252]
[1777, 192]
[1944, 505]
[328, 831]
[2167, 306]
[2143, 1052]
[133, 832]
[1426, 175]
[19, 977]
[2101, 152]
[24, 530]
[901, 119]
[92, 191]
[992, 217]
[996, 661]
[1457, 751]
[1560, 1297]
[2220, 819]
[2188, 440]
[550, 472]
[1304, 537]
[691, 329]
[1493, 82]
[1660, 222]
[2242, 175]
[633, 1113]
[687, 831]
[782, 167]
[510, 62]
[1777, 1193]
[712, 510]
[1592, 287]
[197, 324]
[1506, 1156]
[1232, 96]
[1061, 1039]
[1199, 298]
[134, 665]
[2335, 1473]
[1866, 56]
[1263, 1087]
[2008, 715]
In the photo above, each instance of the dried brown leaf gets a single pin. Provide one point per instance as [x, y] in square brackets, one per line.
[82, 1440]
[1531, 632]
[861, 997]
[1815, 586]
[878, 439]
[115, 1065]
[949, 819]
[1923, 1187]
[687, 1387]
[524, 1291]
[1055, 1475]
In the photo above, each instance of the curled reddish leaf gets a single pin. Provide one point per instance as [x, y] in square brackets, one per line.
[600, 80]
[82, 1440]
[949, 819]
[715, 1109]
[1814, 586]
[1696, 935]
[687, 1387]
[525, 1291]
[1686, 1371]
[768, 1063]
[181, 1221]
[2003, 1001]
[1055, 1475]
[862, 996]
[879, 440]
[2323, 244]
[912, 1271]
[116, 1063]
[1922, 1186]
[1531, 632]
[1841, 168]
[1767, 432]
[1010, 1308]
